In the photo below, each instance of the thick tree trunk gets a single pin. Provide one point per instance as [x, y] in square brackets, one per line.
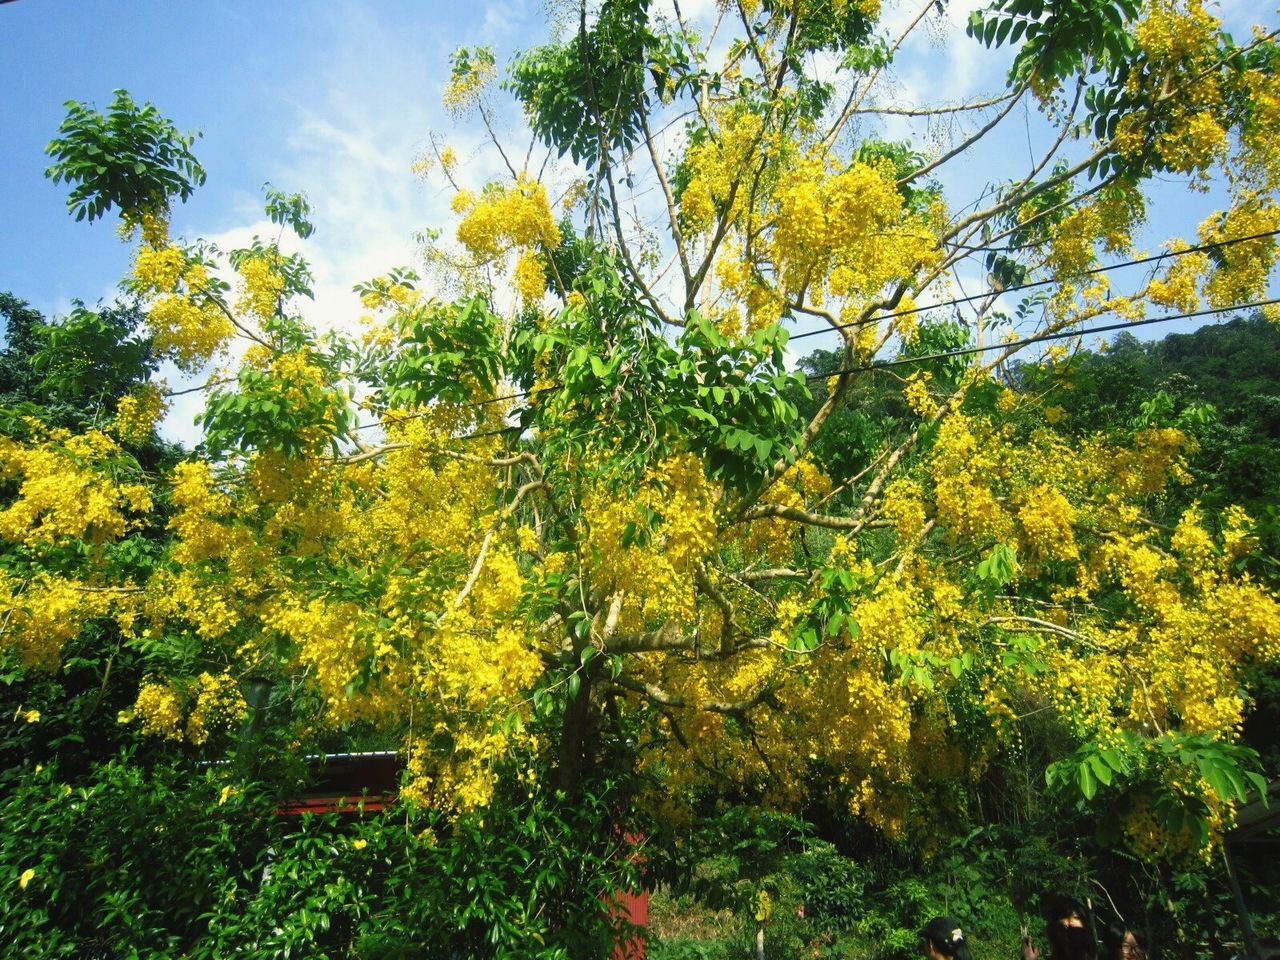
[577, 739]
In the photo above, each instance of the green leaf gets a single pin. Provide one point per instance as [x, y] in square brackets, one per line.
[1086, 781]
[1112, 758]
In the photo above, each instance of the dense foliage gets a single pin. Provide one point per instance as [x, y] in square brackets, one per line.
[576, 520]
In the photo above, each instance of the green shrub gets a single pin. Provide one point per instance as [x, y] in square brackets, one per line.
[167, 861]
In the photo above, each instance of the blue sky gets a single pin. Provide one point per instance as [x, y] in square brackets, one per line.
[329, 97]
[335, 98]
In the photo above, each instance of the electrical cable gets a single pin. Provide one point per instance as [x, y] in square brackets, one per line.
[964, 351]
[1041, 283]
[1043, 338]
[957, 302]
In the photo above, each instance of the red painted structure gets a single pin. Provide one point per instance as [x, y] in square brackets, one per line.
[348, 783]
[633, 910]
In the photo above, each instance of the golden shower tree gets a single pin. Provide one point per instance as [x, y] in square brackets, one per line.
[581, 490]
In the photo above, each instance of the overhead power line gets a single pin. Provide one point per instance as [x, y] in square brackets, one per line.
[958, 301]
[518, 395]
[904, 361]
[1042, 338]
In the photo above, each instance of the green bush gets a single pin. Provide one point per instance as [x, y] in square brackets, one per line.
[168, 861]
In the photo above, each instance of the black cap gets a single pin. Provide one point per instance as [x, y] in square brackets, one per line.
[943, 930]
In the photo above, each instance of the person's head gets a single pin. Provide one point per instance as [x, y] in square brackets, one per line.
[942, 939]
[1067, 928]
[1121, 942]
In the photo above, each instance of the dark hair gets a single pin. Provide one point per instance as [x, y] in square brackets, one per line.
[945, 934]
[1058, 906]
[1113, 934]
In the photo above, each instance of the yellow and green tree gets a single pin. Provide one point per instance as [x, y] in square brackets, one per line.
[569, 491]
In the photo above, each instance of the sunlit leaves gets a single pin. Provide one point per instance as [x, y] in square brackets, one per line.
[585, 97]
[1059, 37]
[130, 157]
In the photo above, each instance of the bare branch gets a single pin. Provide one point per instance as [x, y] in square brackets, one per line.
[855, 98]
[673, 701]
[964, 145]
[611, 619]
[776, 510]
[493, 138]
[727, 625]
[936, 111]
[771, 573]
[666, 637]
[208, 384]
[676, 232]
[1040, 626]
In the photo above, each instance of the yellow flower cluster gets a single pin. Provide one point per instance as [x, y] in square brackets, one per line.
[716, 167]
[1246, 266]
[158, 269]
[467, 780]
[1259, 157]
[865, 717]
[138, 413]
[849, 227]
[462, 92]
[1154, 457]
[1071, 250]
[42, 614]
[1181, 78]
[530, 278]
[1178, 287]
[153, 224]
[1174, 30]
[1194, 145]
[904, 506]
[649, 545]
[191, 330]
[451, 654]
[65, 490]
[210, 607]
[917, 395]
[182, 315]
[198, 504]
[503, 217]
[219, 706]
[1048, 522]
[261, 286]
[332, 651]
[160, 710]
[966, 461]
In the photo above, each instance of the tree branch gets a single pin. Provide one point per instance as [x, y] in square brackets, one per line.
[737, 708]
[776, 510]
